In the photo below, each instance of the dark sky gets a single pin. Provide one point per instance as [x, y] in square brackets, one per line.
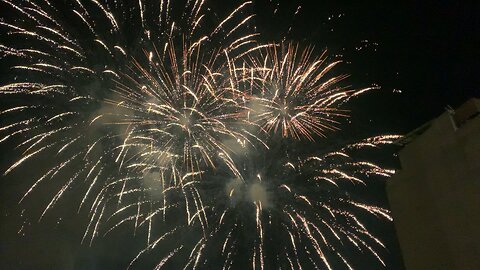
[426, 50]
[423, 54]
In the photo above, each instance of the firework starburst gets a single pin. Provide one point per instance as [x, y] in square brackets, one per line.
[170, 125]
[295, 95]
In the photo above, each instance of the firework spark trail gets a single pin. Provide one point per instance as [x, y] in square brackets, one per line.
[318, 216]
[145, 130]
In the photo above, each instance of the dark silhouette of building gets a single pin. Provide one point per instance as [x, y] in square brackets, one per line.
[435, 197]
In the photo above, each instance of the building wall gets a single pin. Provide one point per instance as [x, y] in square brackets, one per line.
[435, 197]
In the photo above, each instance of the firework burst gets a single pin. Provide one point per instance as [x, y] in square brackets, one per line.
[159, 109]
[294, 213]
[171, 130]
[293, 93]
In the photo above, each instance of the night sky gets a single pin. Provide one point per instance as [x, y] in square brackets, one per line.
[423, 55]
